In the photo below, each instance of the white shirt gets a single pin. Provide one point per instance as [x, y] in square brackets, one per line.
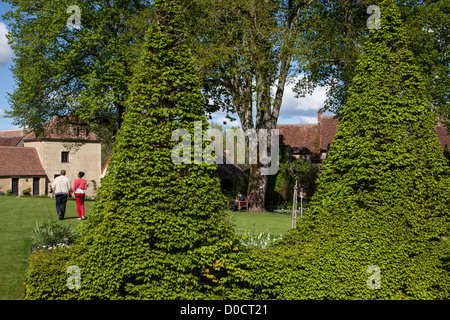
[61, 185]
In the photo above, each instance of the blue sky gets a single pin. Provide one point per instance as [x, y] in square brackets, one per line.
[6, 78]
[293, 110]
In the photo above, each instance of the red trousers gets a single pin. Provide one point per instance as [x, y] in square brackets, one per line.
[79, 197]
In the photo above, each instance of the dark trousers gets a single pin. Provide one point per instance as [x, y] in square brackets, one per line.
[61, 200]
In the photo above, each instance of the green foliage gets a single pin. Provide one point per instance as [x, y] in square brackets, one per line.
[304, 172]
[9, 192]
[383, 195]
[335, 29]
[51, 234]
[83, 72]
[157, 230]
[46, 276]
[230, 187]
[281, 186]
[262, 240]
[26, 192]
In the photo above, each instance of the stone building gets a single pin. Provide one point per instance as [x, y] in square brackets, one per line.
[31, 162]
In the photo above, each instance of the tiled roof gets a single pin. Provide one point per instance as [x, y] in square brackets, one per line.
[10, 142]
[315, 136]
[442, 135]
[327, 128]
[13, 133]
[20, 161]
[300, 135]
[54, 129]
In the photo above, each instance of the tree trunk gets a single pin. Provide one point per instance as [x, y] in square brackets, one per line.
[256, 189]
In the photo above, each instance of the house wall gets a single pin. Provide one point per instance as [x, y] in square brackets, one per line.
[82, 157]
[6, 183]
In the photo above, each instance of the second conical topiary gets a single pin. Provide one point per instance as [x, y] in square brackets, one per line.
[378, 224]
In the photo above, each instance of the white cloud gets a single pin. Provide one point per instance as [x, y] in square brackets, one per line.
[308, 120]
[301, 110]
[313, 101]
[6, 53]
[2, 113]
[293, 110]
[219, 118]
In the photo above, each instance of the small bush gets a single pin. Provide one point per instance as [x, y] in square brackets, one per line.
[2, 193]
[9, 192]
[26, 192]
[47, 269]
[262, 240]
[50, 235]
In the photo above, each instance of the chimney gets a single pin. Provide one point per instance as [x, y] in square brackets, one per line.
[319, 115]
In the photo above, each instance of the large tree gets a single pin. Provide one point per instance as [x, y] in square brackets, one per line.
[334, 36]
[246, 50]
[83, 71]
[378, 224]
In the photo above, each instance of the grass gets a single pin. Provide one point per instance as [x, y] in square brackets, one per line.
[256, 223]
[18, 220]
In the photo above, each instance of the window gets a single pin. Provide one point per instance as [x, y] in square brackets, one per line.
[64, 157]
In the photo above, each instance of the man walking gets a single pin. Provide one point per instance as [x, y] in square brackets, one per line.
[61, 188]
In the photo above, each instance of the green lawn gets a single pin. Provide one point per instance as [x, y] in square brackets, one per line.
[18, 220]
[255, 223]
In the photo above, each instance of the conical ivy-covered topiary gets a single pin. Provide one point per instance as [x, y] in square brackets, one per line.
[157, 225]
[377, 227]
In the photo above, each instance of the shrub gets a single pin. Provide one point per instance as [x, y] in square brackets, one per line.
[383, 196]
[51, 234]
[157, 230]
[46, 276]
[2, 193]
[26, 192]
[9, 192]
[261, 240]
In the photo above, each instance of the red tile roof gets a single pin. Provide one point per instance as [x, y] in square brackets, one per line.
[106, 165]
[300, 135]
[13, 133]
[55, 129]
[327, 128]
[20, 161]
[317, 137]
[10, 142]
[442, 135]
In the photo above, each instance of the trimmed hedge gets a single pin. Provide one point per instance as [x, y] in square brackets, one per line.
[158, 230]
[383, 196]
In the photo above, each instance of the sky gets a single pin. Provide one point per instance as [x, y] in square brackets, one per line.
[293, 110]
[6, 78]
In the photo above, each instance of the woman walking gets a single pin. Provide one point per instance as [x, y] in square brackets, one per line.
[79, 188]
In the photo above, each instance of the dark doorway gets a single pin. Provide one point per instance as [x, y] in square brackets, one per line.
[15, 186]
[36, 186]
